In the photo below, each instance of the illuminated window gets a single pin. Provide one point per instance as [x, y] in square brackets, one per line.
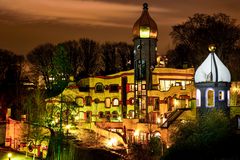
[144, 32]
[99, 88]
[88, 100]
[79, 101]
[184, 85]
[113, 88]
[115, 102]
[221, 95]
[81, 115]
[100, 115]
[210, 98]
[198, 98]
[107, 102]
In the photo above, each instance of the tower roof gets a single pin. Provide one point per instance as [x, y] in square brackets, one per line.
[212, 70]
[145, 26]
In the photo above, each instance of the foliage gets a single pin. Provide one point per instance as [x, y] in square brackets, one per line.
[193, 37]
[152, 150]
[204, 138]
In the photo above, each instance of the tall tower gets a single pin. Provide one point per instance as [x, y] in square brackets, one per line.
[145, 34]
[212, 81]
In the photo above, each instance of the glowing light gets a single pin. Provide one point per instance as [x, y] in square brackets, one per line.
[119, 118]
[9, 155]
[112, 142]
[77, 118]
[144, 32]
[212, 48]
[136, 133]
[68, 126]
[158, 120]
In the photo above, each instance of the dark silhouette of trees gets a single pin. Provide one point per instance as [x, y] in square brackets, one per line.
[10, 81]
[208, 137]
[117, 57]
[41, 59]
[193, 37]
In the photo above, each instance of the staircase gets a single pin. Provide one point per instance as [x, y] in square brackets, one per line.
[173, 116]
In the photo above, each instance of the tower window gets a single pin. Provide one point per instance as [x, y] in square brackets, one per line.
[210, 98]
[198, 98]
[221, 95]
[228, 98]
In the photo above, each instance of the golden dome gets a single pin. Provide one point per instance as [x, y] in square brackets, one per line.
[145, 26]
[212, 48]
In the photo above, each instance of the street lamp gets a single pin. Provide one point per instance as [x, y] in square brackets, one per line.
[9, 156]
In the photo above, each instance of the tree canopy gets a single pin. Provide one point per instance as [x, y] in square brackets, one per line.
[194, 35]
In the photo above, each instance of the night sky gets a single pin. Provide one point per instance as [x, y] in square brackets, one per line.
[24, 24]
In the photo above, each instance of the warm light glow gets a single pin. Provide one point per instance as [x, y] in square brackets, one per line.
[144, 32]
[77, 118]
[119, 118]
[112, 142]
[158, 120]
[212, 48]
[68, 126]
[136, 133]
[9, 155]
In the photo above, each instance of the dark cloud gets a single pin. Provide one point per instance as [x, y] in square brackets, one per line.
[26, 24]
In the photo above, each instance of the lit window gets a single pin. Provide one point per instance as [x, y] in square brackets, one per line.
[221, 95]
[81, 115]
[184, 85]
[99, 88]
[107, 102]
[88, 100]
[198, 98]
[210, 98]
[228, 98]
[79, 101]
[113, 88]
[115, 102]
[144, 32]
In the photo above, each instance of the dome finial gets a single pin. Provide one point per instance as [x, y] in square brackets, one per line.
[145, 6]
[212, 48]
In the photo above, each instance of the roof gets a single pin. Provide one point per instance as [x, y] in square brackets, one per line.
[212, 70]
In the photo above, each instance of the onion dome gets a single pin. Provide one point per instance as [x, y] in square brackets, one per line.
[212, 69]
[145, 26]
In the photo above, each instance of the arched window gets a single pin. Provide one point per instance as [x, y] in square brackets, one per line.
[198, 98]
[99, 88]
[115, 102]
[107, 102]
[210, 97]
